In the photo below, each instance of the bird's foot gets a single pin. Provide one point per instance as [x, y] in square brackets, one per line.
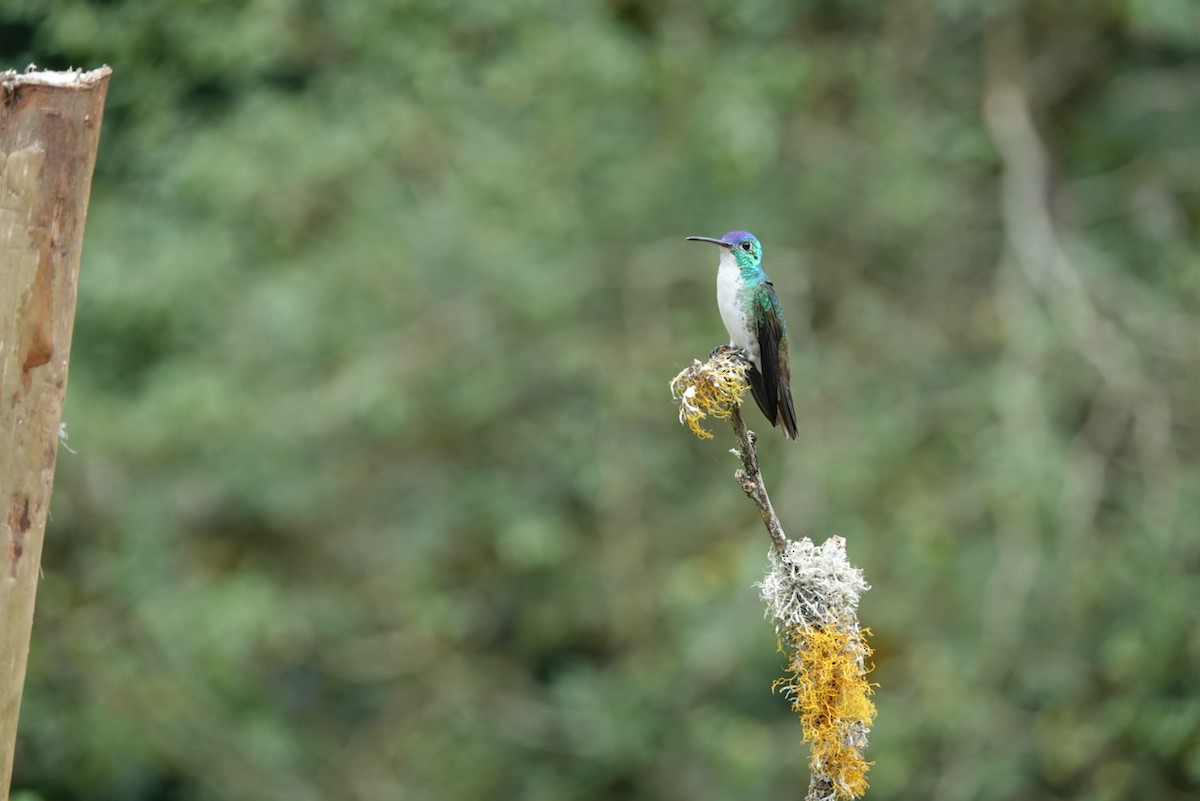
[731, 350]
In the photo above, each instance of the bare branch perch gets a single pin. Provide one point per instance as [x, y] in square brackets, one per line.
[751, 480]
[49, 131]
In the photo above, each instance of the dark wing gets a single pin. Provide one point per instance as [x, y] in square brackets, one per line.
[772, 389]
[759, 391]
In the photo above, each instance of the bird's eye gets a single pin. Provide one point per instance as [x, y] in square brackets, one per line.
[746, 246]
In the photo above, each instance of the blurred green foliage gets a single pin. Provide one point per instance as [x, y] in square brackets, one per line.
[378, 491]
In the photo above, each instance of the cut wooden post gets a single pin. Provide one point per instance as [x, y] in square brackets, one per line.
[49, 130]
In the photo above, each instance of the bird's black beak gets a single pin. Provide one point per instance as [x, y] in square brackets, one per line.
[708, 239]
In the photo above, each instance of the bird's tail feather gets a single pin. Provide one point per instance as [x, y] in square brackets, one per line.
[787, 411]
[777, 407]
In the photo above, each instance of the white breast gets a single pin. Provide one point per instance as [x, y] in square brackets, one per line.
[729, 283]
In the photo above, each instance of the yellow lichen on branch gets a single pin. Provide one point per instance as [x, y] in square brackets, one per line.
[710, 389]
[812, 593]
[827, 685]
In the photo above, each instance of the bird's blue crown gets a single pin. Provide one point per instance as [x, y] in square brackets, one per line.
[737, 237]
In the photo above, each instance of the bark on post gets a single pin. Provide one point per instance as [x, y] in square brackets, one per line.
[49, 130]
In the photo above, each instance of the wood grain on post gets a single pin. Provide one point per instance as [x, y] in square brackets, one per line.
[49, 130]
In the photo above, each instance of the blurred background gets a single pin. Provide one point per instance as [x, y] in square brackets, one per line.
[376, 488]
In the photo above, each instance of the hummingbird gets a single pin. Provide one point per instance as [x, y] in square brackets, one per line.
[752, 316]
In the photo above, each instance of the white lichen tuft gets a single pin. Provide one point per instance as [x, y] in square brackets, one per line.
[812, 584]
[812, 593]
[62, 436]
